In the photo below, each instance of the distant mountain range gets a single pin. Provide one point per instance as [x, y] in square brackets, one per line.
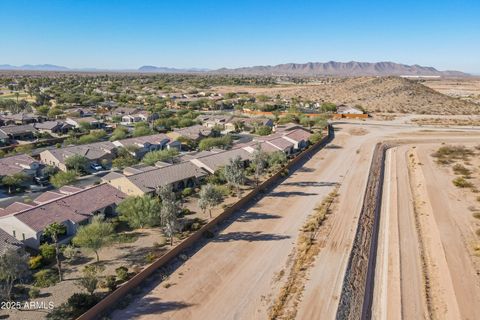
[332, 68]
[344, 69]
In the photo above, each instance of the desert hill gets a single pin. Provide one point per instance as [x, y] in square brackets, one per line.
[375, 94]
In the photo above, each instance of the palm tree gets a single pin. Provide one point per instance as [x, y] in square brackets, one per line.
[53, 231]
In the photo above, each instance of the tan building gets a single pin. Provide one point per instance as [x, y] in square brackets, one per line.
[27, 222]
[95, 152]
[180, 176]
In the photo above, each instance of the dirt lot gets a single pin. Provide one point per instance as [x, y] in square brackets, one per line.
[238, 274]
[466, 89]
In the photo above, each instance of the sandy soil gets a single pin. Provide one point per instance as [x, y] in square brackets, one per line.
[425, 266]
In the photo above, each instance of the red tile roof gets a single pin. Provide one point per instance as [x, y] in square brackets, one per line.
[76, 207]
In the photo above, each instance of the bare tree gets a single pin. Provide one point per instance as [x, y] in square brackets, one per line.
[259, 162]
[169, 211]
[54, 231]
[13, 267]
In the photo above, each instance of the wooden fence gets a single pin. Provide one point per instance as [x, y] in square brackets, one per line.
[113, 298]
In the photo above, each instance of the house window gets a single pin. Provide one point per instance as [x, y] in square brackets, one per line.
[14, 234]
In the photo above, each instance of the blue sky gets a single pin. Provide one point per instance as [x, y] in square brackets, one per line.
[213, 34]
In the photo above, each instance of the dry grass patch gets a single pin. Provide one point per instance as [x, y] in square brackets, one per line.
[462, 182]
[461, 170]
[307, 249]
[449, 154]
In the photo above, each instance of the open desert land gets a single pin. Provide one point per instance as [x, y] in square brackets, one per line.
[463, 88]
[245, 271]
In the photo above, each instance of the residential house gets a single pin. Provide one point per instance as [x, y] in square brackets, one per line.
[211, 121]
[20, 163]
[27, 223]
[130, 119]
[181, 175]
[195, 133]
[247, 124]
[8, 242]
[92, 122]
[149, 143]
[20, 132]
[19, 118]
[213, 162]
[4, 139]
[94, 152]
[53, 127]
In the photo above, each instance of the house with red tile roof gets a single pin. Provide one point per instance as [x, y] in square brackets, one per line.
[27, 222]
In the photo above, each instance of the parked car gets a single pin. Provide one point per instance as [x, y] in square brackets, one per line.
[42, 180]
[96, 166]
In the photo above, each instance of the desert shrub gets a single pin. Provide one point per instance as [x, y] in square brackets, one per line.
[461, 170]
[187, 192]
[34, 293]
[150, 257]
[476, 215]
[110, 283]
[69, 252]
[461, 182]
[45, 278]
[35, 262]
[122, 273]
[126, 237]
[448, 154]
[47, 251]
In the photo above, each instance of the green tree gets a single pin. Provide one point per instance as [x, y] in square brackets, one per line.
[63, 178]
[13, 267]
[263, 130]
[94, 236]
[43, 110]
[153, 157]
[54, 231]
[235, 174]
[169, 211]
[315, 137]
[210, 197]
[25, 148]
[276, 160]
[328, 107]
[15, 180]
[77, 163]
[259, 162]
[218, 142]
[119, 133]
[142, 129]
[140, 211]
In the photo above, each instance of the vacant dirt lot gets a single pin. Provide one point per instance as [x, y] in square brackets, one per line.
[238, 273]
